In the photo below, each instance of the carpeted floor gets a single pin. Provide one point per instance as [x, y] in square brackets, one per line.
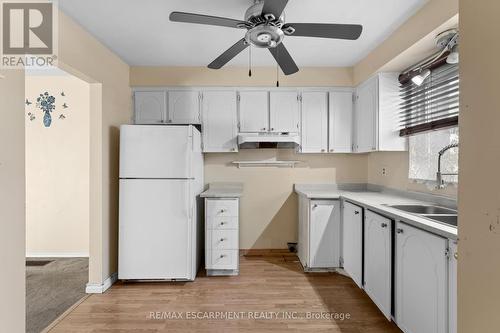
[52, 289]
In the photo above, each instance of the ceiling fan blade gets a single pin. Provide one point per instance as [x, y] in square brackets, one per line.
[274, 7]
[205, 19]
[230, 53]
[284, 59]
[325, 30]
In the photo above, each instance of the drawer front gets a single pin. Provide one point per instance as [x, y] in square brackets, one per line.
[222, 222]
[222, 240]
[222, 259]
[222, 207]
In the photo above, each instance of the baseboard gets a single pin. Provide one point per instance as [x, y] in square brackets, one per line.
[57, 254]
[94, 288]
[266, 252]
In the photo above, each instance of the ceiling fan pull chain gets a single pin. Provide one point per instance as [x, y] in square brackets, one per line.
[277, 68]
[250, 61]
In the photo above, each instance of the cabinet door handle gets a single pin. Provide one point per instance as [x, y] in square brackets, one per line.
[315, 205]
[222, 223]
[399, 230]
[272, 129]
[222, 239]
[356, 212]
[263, 129]
[222, 210]
[222, 256]
[455, 255]
[331, 150]
[383, 225]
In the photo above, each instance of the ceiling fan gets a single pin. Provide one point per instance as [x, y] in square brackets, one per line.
[266, 28]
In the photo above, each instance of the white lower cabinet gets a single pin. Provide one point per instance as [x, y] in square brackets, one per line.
[378, 261]
[319, 233]
[221, 236]
[352, 249]
[452, 286]
[421, 280]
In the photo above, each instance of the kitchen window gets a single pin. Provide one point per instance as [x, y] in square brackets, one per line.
[429, 118]
[424, 149]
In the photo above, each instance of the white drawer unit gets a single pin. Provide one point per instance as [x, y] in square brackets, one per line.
[221, 236]
[222, 222]
[222, 262]
[222, 207]
[222, 239]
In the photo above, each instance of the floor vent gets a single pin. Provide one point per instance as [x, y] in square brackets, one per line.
[38, 262]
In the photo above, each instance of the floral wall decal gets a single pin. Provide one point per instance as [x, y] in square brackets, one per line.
[46, 102]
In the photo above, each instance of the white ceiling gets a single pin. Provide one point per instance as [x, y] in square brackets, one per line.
[141, 34]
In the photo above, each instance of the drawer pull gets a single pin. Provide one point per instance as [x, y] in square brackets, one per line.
[222, 239]
[222, 223]
[399, 230]
[356, 212]
[383, 225]
[223, 210]
[222, 256]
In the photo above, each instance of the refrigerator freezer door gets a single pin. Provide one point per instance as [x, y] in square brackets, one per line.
[155, 231]
[153, 151]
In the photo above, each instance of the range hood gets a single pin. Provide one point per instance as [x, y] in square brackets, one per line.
[268, 140]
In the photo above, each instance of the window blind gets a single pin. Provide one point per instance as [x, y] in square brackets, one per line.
[433, 105]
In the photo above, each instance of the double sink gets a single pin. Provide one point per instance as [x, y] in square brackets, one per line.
[440, 214]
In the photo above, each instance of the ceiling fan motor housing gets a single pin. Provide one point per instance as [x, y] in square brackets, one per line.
[264, 36]
[265, 29]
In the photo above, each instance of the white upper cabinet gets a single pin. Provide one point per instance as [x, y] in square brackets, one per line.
[376, 115]
[220, 125]
[352, 251]
[284, 111]
[421, 281]
[378, 261]
[366, 116]
[150, 107]
[340, 121]
[254, 111]
[184, 107]
[314, 122]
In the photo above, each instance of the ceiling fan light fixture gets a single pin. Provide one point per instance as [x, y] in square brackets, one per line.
[420, 78]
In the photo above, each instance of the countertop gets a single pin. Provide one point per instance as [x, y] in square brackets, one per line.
[377, 202]
[223, 190]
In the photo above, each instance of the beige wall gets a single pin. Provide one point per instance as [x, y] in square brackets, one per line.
[479, 165]
[396, 165]
[85, 57]
[12, 196]
[238, 76]
[268, 208]
[57, 168]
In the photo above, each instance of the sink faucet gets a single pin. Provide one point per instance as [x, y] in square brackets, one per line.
[439, 174]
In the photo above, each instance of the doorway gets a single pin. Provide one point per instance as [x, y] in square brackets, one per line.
[57, 130]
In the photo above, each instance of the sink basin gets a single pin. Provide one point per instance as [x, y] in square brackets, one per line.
[423, 209]
[446, 219]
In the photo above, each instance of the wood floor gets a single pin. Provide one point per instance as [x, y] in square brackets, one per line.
[271, 294]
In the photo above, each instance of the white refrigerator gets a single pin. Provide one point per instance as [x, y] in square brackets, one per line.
[161, 177]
